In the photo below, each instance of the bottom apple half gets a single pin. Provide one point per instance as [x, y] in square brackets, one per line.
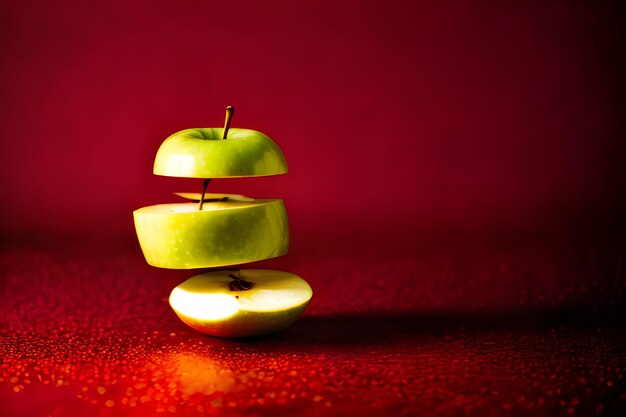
[211, 304]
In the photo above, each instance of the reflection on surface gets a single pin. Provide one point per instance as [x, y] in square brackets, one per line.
[199, 375]
[401, 367]
[98, 337]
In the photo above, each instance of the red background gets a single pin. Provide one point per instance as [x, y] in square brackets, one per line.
[434, 114]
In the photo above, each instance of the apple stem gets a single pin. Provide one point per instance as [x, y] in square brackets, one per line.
[230, 111]
[205, 183]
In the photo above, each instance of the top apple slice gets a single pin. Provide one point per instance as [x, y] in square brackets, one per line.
[202, 153]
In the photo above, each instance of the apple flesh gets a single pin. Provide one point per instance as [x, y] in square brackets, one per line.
[202, 153]
[214, 196]
[229, 232]
[208, 303]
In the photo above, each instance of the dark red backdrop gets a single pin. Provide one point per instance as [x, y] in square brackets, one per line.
[405, 125]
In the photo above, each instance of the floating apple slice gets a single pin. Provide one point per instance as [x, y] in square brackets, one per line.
[214, 197]
[206, 153]
[240, 303]
[180, 236]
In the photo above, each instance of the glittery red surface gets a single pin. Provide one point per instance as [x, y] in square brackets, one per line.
[86, 330]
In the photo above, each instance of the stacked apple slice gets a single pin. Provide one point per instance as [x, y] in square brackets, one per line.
[219, 230]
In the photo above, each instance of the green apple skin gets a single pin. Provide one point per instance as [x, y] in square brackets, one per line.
[179, 236]
[245, 313]
[202, 153]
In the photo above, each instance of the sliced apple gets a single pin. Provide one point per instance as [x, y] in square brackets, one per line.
[215, 302]
[214, 197]
[203, 153]
[179, 236]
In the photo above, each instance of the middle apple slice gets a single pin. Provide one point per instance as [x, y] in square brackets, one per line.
[224, 232]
